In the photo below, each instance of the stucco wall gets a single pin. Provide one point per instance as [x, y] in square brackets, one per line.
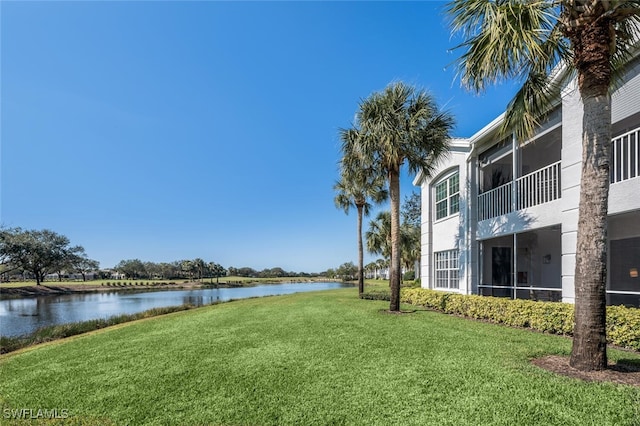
[443, 234]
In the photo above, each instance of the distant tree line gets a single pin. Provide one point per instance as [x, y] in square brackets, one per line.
[345, 272]
[276, 272]
[40, 253]
[195, 269]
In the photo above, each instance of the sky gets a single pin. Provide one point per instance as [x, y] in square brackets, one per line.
[174, 130]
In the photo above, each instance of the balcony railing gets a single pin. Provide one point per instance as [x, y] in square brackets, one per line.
[625, 156]
[538, 187]
[543, 185]
[495, 202]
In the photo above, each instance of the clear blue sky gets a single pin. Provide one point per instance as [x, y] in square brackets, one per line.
[174, 130]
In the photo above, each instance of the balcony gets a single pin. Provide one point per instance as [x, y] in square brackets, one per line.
[543, 185]
[625, 156]
[538, 187]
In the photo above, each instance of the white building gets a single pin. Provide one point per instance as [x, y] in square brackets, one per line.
[501, 219]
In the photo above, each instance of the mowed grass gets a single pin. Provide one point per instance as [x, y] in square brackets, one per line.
[310, 358]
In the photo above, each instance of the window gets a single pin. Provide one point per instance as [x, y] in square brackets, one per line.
[448, 196]
[446, 269]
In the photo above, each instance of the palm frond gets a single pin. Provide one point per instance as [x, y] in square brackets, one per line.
[404, 125]
[360, 180]
[627, 40]
[504, 39]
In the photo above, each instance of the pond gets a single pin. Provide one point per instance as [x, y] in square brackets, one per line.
[23, 316]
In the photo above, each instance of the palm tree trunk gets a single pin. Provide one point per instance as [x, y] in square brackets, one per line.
[589, 350]
[394, 275]
[360, 254]
[592, 60]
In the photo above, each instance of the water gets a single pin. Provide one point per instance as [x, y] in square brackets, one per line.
[22, 316]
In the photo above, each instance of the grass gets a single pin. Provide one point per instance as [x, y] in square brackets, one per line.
[309, 358]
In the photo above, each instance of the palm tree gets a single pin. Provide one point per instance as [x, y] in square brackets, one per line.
[382, 264]
[410, 245]
[401, 125]
[379, 235]
[358, 184]
[187, 267]
[591, 40]
[198, 266]
[216, 270]
[370, 269]
[379, 239]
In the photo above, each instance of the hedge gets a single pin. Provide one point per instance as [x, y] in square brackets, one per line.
[623, 324]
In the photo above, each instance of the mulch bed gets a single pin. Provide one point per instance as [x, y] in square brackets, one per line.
[622, 373]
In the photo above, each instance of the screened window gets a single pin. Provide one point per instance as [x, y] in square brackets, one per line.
[448, 196]
[446, 269]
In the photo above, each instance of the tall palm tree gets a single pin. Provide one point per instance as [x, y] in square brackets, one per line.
[402, 125]
[358, 184]
[591, 40]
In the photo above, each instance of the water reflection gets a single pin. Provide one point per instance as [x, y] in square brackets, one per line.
[22, 316]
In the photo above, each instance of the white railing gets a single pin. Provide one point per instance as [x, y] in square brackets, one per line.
[543, 185]
[495, 202]
[538, 187]
[532, 189]
[625, 156]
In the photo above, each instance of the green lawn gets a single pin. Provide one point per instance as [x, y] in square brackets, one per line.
[310, 358]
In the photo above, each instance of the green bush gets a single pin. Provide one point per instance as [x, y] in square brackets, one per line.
[623, 324]
[409, 276]
[376, 295]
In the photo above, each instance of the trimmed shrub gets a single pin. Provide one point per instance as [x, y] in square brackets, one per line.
[377, 295]
[623, 324]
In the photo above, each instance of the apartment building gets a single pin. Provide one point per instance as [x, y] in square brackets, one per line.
[500, 218]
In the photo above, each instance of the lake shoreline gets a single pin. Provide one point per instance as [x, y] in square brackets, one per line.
[128, 286]
[50, 290]
[55, 330]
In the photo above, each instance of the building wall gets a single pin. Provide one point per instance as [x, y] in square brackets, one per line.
[625, 100]
[443, 234]
[463, 232]
[624, 196]
[570, 185]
